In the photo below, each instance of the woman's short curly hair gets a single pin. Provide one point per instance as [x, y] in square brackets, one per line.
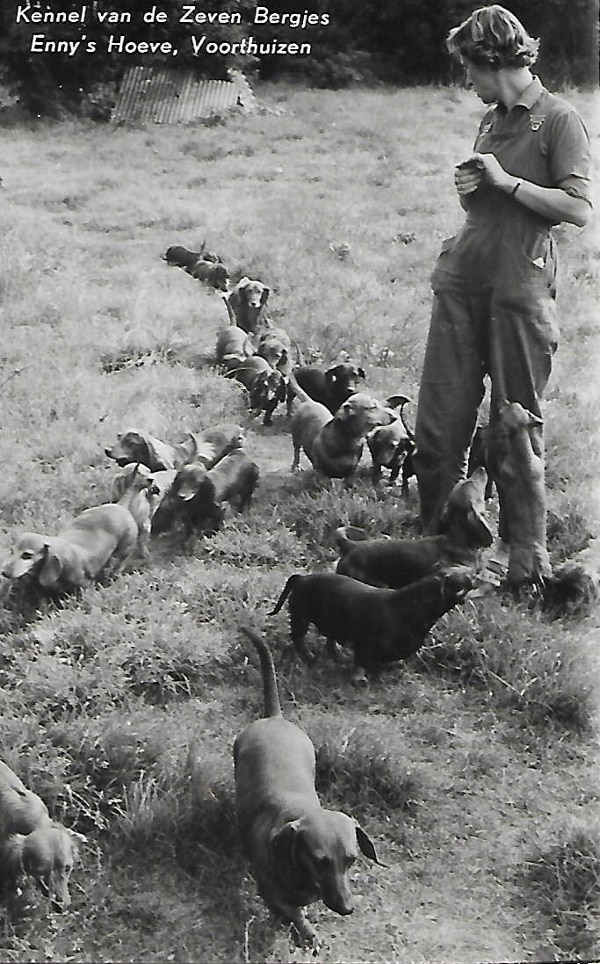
[493, 37]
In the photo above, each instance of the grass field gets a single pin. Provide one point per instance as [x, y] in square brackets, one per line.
[471, 765]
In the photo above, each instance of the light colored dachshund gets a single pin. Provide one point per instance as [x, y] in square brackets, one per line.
[334, 443]
[31, 843]
[136, 446]
[102, 537]
[515, 458]
[275, 345]
[47, 854]
[298, 851]
[246, 305]
[234, 345]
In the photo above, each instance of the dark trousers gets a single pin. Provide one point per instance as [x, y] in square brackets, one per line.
[512, 336]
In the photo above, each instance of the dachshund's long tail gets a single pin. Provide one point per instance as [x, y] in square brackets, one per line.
[267, 667]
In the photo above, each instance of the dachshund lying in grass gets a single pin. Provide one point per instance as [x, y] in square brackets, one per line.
[380, 625]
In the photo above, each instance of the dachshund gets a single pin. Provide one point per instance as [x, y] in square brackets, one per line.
[136, 446]
[234, 345]
[274, 345]
[197, 497]
[380, 625]
[392, 446]
[103, 535]
[266, 386]
[212, 273]
[206, 447]
[330, 387]
[47, 854]
[334, 443]
[298, 851]
[395, 563]
[246, 305]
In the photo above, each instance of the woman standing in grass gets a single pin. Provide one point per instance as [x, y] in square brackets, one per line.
[494, 284]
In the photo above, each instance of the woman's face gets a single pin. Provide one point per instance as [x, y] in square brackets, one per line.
[483, 80]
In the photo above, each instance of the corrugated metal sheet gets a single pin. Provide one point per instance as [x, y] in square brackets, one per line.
[161, 96]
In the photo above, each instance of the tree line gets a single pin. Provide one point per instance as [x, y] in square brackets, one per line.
[372, 41]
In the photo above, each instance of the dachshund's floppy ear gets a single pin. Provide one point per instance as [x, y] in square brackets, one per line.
[285, 841]
[265, 294]
[361, 373]
[366, 845]
[51, 569]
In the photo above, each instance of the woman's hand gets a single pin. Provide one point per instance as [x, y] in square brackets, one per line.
[477, 168]
[468, 175]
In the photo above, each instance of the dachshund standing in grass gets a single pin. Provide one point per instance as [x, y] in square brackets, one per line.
[298, 851]
[380, 625]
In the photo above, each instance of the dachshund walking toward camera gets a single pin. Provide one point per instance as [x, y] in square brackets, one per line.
[31, 843]
[101, 537]
[334, 443]
[298, 851]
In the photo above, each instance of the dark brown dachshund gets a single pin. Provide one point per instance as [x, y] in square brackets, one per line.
[380, 625]
[212, 273]
[298, 851]
[330, 387]
[197, 497]
[395, 563]
[246, 305]
[266, 386]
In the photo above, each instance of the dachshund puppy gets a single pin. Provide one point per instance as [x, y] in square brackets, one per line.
[136, 446]
[233, 345]
[395, 563]
[275, 346]
[330, 387]
[515, 455]
[266, 386]
[206, 447]
[21, 810]
[334, 444]
[298, 851]
[246, 305]
[197, 497]
[391, 445]
[380, 625]
[79, 553]
[213, 273]
[47, 854]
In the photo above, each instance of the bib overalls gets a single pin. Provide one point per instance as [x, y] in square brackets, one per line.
[494, 308]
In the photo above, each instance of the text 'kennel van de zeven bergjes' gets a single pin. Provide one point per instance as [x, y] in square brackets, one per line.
[189, 14]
